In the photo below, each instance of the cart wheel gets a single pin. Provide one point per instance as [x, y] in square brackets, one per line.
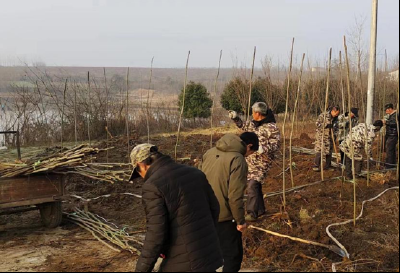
[51, 214]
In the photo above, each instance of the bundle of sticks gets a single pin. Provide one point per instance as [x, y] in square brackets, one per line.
[107, 172]
[74, 161]
[107, 233]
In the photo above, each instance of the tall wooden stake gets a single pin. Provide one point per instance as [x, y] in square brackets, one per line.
[107, 110]
[383, 134]
[364, 109]
[148, 102]
[372, 62]
[62, 114]
[398, 135]
[75, 116]
[294, 118]
[127, 113]
[251, 83]
[328, 81]
[183, 108]
[284, 125]
[215, 95]
[89, 107]
[351, 133]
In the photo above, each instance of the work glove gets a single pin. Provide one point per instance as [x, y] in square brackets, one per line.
[233, 114]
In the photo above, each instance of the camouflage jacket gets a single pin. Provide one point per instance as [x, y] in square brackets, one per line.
[323, 137]
[362, 142]
[344, 126]
[270, 140]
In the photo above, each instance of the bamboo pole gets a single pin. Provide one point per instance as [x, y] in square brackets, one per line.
[364, 109]
[75, 117]
[89, 107]
[148, 102]
[344, 111]
[342, 88]
[215, 95]
[251, 83]
[372, 63]
[328, 81]
[62, 114]
[284, 125]
[335, 249]
[383, 135]
[127, 113]
[398, 135]
[351, 133]
[107, 110]
[183, 107]
[294, 118]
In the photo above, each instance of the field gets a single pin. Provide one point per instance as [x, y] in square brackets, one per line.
[373, 243]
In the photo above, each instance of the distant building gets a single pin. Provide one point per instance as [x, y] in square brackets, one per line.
[394, 76]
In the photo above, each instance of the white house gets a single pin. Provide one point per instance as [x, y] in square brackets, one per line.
[394, 76]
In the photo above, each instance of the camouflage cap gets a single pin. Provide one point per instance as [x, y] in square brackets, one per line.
[139, 154]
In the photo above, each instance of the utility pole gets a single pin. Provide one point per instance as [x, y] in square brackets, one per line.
[372, 63]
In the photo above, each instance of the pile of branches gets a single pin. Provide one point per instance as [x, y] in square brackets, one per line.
[107, 233]
[77, 160]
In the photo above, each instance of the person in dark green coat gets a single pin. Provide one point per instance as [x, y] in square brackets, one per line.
[226, 170]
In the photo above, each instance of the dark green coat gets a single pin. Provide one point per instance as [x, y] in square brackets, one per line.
[226, 170]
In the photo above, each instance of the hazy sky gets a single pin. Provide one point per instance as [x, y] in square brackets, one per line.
[131, 32]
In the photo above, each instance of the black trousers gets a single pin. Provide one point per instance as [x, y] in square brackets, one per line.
[255, 199]
[391, 151]
[349, 167]
[230, 240]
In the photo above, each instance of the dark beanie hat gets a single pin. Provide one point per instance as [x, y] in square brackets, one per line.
[389, 106]
[355, 111]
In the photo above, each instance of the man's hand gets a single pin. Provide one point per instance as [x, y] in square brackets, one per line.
[233, 114]
[242, 228]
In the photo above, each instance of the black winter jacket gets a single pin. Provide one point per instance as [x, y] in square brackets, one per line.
[391, 125]
[182, 213]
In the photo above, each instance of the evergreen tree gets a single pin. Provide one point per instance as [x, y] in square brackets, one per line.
[197, 102]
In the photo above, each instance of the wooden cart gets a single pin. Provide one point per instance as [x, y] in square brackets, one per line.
[42, 191]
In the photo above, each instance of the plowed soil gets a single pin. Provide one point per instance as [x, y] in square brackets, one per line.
[373, 244]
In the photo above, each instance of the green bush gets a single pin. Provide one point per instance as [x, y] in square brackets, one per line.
[197, 102]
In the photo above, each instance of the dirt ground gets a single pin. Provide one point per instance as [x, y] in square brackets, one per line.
[373, 243]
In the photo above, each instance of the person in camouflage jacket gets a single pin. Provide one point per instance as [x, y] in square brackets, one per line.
[344, 126]
[264, 125]
[361, 140]
[323, 139]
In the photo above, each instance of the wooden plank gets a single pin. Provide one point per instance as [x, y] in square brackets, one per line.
[30, 188]
[14, 211]
[29, 202]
